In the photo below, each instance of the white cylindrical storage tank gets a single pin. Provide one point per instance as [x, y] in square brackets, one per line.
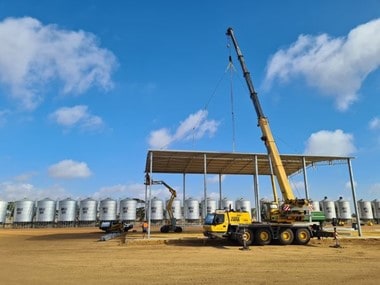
[243, 205]
[343, 209]
[315, 206]
[23, 212]
[365, 210]
[45, 213]
[211, 206]
[191, 209]
[176, 208]
[3, 211]
[157, 209]
[67, 211]
[376, 209]
[128, 208]
[107, 210]
[88, 211]
[228, 204]
[328, 208]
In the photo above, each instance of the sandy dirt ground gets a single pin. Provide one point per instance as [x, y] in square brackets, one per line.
[76, 256]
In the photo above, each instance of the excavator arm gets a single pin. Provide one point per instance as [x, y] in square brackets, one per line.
[169, 206]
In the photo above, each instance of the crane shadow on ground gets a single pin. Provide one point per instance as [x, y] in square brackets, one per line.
[216, 243]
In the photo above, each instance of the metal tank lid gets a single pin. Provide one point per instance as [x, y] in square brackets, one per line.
[326, 199]
[128, 199]
[46, 199]
[24, 199]
[68, 199]
[108, 199]
[363, 201]
[156, 198]
[209, 199]
[341, 199]
[88, 199]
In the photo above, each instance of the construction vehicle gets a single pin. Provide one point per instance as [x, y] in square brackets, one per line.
[113, 229]
[114, 226]
[172, 221]
[286, 223]
[238, 226]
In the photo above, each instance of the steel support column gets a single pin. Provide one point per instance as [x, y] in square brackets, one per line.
[354, 196]
[256, 190]
[204, 186]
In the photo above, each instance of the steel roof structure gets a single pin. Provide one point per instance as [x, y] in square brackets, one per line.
[198, 162]
[206, 162]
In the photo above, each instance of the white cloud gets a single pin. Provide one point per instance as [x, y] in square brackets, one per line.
[374, 124]
[195, 126]
[15, 191]
[33, 54]
[68, 169]
[121, 191]
[375, 189]
[146, 88]
[336, 143]
[160, 139]
[215, 178]
[348, 185]
[4, 116]
[336, 66]
[25, 176]
[77, 116]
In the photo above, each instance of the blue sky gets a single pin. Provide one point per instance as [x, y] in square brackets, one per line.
[87, 87]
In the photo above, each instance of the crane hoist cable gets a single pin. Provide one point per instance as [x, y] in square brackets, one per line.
[231, 68]
[208, 103]
[214, 92]
[205, 108]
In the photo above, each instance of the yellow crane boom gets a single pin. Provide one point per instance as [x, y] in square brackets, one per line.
[267, 135]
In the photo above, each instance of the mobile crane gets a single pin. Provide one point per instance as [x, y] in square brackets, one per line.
[172, 225]
[287, 223]
[295, 204]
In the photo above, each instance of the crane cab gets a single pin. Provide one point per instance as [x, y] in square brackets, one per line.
[223, 221]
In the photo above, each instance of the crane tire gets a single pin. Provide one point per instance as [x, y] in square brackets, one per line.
[302, 236]
[286, 237]
[245, 237]
[263, 236]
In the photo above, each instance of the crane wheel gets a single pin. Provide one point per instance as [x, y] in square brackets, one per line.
[286, 237]
[302, 236]
[263, 236]
[245, 237]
